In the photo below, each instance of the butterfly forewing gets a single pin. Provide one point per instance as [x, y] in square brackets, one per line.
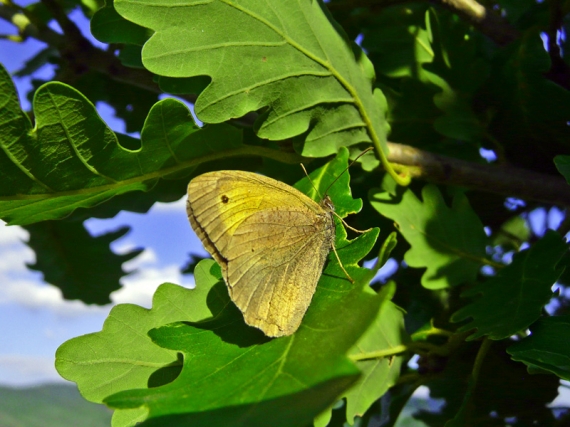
[270, 240]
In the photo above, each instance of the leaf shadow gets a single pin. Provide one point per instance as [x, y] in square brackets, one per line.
[227, 322]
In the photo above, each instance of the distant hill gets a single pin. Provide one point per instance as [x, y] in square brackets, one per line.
[53, 405]
[61, 405]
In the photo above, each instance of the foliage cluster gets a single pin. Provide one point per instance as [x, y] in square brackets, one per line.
[479, 298]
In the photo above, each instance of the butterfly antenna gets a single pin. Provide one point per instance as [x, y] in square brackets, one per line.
[348, 226]
[311, 181]
[342, 266]
[351, 163]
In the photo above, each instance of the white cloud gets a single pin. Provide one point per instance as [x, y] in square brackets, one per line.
[138, 288]
[178, 206]
[563, 398]
[35, 295]
[20, 370]
[14, 258]
[13, 234]
[146, 258]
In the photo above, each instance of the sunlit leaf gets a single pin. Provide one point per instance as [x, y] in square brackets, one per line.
[449, 242]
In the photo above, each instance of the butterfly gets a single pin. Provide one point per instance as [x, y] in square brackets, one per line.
[270, 240]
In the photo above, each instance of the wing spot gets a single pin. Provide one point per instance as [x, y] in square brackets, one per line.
[225, 199]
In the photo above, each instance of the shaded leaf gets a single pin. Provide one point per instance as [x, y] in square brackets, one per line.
[72, 159]
[193, 260]
[458, 70]
[532, 111]
[547, 348]
[108, 26]
[450, 243]
[281, 47]
[386, 332]
[82, 266]
[515, 297]
[513, 233]
[130, 103]
[505, 390]
[563, 165]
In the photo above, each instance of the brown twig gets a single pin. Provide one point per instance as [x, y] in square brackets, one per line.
[485, 20]
[503, 180]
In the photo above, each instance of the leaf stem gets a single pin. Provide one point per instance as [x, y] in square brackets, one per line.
[379, 354]
[467, 399]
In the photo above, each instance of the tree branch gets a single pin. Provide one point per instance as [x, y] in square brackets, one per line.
[504, 180]
[485, 20]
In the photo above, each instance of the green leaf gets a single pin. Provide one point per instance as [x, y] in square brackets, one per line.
[399, 37]
[449, 242]
[513, 233]
[458, 70]
[532, 110]
[281, 48]
[547, 348]
[279, 382]
[108, 26]
[193, 260]
[504, 390]
[71, 159]
[122, 356]
[515, 9]
[379, 373]
[317, 376]
[131, 103]
[515, 297]
[563, 165]
[71, 259]
[386, 333]
[332, 179]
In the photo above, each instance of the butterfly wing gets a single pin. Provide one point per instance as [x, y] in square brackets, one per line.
[271, 241]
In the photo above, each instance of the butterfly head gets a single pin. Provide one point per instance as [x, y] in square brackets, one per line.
[327, 203]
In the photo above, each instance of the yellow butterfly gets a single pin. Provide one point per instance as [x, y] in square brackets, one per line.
[270, 240]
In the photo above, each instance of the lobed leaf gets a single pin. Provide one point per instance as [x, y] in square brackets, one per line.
[266, 58]
[547, 348]
[450, 243]
[71, 159]
[514, 298]
[234, 375]
[333, 180]
[378, 375]
[563, 165]
[71, 259]
[531, 109]
[122, 356]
